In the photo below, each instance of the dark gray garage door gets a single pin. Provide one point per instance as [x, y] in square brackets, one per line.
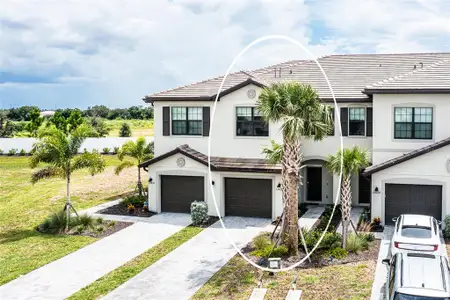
[248, 197]
[413, 199]
[178, 192]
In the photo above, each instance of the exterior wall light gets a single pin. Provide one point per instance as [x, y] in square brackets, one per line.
[150, 180]
[213, 183]
[376, 190]
[279, 186]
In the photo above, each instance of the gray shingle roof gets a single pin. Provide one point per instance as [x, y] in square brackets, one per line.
[431, 78]
[405, 157]
[220, 163]
[348, 75]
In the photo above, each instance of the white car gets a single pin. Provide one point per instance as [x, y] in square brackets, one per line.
[416, 233]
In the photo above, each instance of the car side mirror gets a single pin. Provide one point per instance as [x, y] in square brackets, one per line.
[394, 219]
[386, 262]
[439, 223]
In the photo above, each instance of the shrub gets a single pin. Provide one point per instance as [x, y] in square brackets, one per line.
[85, 220]
[261, 242]
[369, 237]
[79, 229]
[337, 253]
[106, 150]
[270, 251]
[447, 227]
[112, 223]
[356, 243]
[1, 152]
[99, 220]
[125, 130]
[199, 212]
[56, 223]
[99, 229]
[365, 226]
[131, 208]
[331, 240]
[116, 150]
[135, 200]
[22, 152]
[12, 151]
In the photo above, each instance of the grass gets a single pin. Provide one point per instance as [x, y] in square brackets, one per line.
[23, 206]
[120, 275]
[237, 279]
[138, 127]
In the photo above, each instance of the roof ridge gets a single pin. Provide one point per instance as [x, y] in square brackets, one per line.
[377, 54]
[390, 79]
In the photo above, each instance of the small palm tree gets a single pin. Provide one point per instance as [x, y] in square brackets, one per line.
[297, 106]
[273, 153]
[60, 154]
[350, 161]
[139, 151]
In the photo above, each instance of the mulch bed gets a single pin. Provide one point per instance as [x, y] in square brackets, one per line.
[211, 220]
[120, 209]
[108, 229]
[317, 258]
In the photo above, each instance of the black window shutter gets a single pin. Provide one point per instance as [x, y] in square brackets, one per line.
[332, 121]
[206, 122]
[344, 121]
[166, 120]
[369, 121]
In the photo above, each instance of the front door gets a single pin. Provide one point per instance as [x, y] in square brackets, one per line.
[314, 183]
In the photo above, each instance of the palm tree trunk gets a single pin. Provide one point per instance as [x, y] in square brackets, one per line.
[290, 170]
[139, 182]
[67, 202]
[346, 206]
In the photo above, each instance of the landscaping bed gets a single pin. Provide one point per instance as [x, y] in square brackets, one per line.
[110, 227]
[122, 210]
[132, 205]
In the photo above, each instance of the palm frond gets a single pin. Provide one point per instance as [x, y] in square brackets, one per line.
[47, 172]
[274, 153]
[352, 160]
[89, 160]
[125, 164]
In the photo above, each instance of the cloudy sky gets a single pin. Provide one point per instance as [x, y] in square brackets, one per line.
[76, 53]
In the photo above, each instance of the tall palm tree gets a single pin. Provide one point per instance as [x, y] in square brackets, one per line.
[139, 152]
[352, 161]
[297, 106]
[60, 154]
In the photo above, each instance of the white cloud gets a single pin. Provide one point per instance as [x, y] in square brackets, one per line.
[116, 51]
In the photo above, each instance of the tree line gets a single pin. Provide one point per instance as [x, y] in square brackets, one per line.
[27, 120]
[24, 113]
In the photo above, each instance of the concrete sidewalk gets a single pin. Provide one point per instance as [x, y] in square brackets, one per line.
[67, 275]
[183, 271]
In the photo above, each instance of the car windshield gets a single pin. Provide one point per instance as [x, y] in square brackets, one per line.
[412, 297]
[416, 232]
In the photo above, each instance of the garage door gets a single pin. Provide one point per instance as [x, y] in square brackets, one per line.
[413, 199]
[248, 197]
[178, 192]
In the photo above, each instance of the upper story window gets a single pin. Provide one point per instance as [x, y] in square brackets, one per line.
[187, 121]
[249, 122]
[413, 123]
[357, 121]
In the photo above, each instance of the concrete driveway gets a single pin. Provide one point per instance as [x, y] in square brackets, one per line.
[183, 271]
[65, 276]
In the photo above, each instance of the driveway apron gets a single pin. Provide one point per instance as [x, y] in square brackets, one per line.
[182, 272]
[67, 275]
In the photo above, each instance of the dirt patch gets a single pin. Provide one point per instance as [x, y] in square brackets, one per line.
[85, 185]
[122, 210]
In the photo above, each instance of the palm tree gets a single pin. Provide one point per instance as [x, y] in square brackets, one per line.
[350, 161]
[139, 151]
[60, 154]
[297, 106]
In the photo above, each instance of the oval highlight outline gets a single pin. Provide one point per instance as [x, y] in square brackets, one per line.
[255, 42]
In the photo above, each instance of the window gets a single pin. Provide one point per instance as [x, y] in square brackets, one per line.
[187, 120]
[416, 232]
[357, 121]
[249, 122]
[413, 123]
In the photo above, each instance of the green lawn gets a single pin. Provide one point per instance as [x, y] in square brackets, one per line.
[237, 279]
[23, 206]
[138, 127]
[120, 275]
